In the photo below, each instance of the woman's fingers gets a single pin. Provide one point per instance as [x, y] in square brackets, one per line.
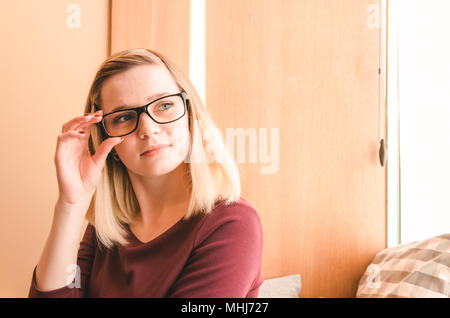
[103, 150]
[73, 123]
[63, 140]
[69, 134]
[80, 120]
[86, 126]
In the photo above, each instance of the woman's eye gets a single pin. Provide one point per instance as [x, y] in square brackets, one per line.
[163, 106]
[122, 118]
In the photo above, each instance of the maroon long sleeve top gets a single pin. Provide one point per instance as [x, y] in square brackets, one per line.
[210, 255]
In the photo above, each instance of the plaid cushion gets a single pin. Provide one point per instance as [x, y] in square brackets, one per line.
[417, 269]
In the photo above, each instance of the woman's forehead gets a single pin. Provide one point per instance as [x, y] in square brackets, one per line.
[134, 87]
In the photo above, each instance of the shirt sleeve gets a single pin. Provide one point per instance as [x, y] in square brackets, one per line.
[226, 258]
[85, 257]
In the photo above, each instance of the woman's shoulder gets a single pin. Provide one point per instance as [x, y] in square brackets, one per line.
[236, 218]
[238, 208]
[90, 230]
[89, 239]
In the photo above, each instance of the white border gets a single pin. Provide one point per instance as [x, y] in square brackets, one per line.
[394, 208]
[197, 47]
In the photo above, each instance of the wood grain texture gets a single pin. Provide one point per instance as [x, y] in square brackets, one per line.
[155, 24]
[309, 68]
[50, 53]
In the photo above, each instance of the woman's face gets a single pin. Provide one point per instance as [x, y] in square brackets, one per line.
[133, 88]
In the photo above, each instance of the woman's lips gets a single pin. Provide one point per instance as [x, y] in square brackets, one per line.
[154, 151]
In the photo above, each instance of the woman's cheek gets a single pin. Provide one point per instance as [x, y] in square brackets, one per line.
[125, 150]
[180, 140]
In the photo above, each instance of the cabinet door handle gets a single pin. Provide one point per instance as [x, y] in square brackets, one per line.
[382, 152]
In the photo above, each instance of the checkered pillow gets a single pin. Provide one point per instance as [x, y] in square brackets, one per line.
[419, 269]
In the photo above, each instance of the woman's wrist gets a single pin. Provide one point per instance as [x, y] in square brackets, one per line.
[72, 210]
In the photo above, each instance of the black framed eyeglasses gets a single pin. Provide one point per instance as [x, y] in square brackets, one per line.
[163, 110]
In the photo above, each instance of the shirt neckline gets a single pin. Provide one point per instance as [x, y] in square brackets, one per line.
[138, 242]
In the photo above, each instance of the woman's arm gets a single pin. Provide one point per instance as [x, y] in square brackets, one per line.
[78, 173]
[55, 267]
[61, 248]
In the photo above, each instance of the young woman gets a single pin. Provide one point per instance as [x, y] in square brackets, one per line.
[148, 169]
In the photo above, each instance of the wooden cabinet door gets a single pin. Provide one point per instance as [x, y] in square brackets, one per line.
[309, 68]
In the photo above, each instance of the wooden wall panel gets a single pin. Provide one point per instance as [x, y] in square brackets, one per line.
[155, 24]
[310, 69]
[50, 52]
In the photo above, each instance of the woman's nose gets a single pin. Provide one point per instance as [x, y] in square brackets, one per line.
[147, 126]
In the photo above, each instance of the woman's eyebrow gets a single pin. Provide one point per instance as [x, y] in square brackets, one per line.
[148, 99]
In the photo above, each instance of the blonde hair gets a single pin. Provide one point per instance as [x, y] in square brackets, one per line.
[114, 203]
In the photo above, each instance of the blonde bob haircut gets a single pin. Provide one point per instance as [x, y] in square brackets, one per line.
[212, 172]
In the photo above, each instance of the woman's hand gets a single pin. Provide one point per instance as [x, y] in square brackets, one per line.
[77, 171]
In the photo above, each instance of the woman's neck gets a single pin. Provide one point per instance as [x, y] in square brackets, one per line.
[163, 198]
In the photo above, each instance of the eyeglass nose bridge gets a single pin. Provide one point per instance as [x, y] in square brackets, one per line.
[144, 109]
